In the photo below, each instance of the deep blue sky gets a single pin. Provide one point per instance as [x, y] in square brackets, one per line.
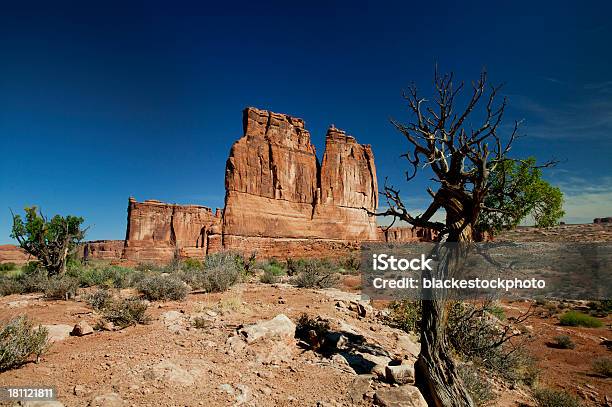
[101, 101]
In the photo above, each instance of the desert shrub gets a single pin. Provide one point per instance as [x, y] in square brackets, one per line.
[246, 264]
[563, 342]
[19, 341]
[575, 318]
[145, 267]
[269, 277]
[274, 267]
[162, 287]
[190, 263]
[350, 263]
[9, 285]
[104, 276]
[476, 383]
[555, 398]
[60, 287]
[99, 299]
[603, 366]
[476, 337]
[220, 272]
[405, 315]
[127, 312]
[497, 311]
[33, 281]
[8, 266]
[315, 274]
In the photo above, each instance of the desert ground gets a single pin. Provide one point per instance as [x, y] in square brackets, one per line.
[239, 347]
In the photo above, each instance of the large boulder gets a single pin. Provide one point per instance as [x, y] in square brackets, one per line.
[279, 327]
[403, 396]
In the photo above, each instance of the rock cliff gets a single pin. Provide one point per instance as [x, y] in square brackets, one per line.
[276, 188]
[280, 201]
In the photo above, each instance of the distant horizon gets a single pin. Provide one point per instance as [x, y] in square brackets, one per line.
[97, 106]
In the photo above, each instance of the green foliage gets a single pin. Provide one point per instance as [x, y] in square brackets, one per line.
[163, 287]
[127, 312]
[603, 366]
[555, 398]
[10, 286]
[194, 264]
[269, 277]
[315, 273]
[517, 190]
[563, 342]
[50, 241]
[8, 266]
[60, 287]
[101, 275]
[575, 318]
[274, 267]
[497, 311]
[405, 315]
[99, 299]
[476, 383]
[19, 341]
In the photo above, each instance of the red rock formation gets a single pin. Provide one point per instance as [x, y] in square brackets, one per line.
[159, 231]
[14, 254]
[102, 249]
[279, 200]
[275, 188]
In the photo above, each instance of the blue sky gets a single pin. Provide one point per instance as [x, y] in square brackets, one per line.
[103, 101]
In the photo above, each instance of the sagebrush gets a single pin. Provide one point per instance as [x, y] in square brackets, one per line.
[20, 341]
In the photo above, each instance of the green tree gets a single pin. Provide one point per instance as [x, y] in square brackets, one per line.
[51, 241]
[517, 190]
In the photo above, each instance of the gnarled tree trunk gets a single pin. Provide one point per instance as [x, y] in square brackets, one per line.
[436, 372]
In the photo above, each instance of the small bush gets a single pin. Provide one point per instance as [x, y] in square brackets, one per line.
[19, 341]
[106, 276]
[555, 398]
[8, 266]
[32, 267]
[497, 311]
[575, 318]
[127, 312]
[563, 342]
[316, 274]
[274, 267]
[405, 315]
[192, 264]
[221, 271]
[60, 287]
[269, 277]
[163, 287]
[99, 299]
[603, 366]
[477, 385]
[10, 286]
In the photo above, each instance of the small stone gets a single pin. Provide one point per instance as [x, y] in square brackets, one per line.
[400, 374]
[82, 329]
[402, 396]
[79, 390]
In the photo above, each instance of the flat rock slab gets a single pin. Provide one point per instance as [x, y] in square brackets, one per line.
[58, 332]
[403, 396]
[279, 327]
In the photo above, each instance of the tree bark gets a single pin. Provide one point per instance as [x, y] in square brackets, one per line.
[436, 372]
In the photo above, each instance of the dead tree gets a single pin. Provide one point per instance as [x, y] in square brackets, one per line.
[461, 159]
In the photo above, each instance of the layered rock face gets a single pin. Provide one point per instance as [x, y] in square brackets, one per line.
[280, 201]
[159, 231]
[277, 194]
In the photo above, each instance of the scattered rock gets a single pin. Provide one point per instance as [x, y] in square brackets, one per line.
[279, 327]
[58, 332]
[400, 374]
[82, 329]
[175, 321]
[402, 396]
[168, 372]
[79, 390]
[358, 388]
